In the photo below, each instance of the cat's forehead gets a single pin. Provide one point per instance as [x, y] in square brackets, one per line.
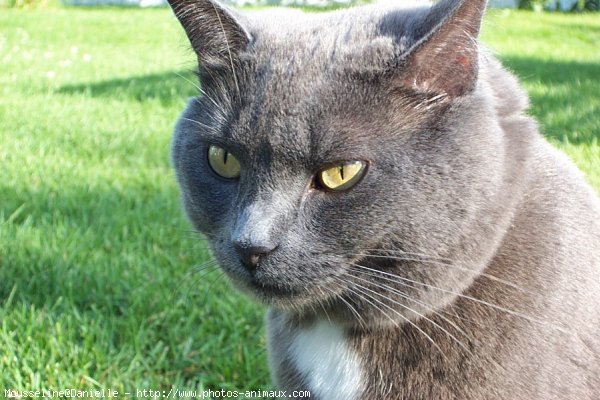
[324, 123]
[293, 42]
[298, 133]
[300, 96]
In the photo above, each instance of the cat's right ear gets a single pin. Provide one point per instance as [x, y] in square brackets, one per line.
[443, 52]
[215, 32]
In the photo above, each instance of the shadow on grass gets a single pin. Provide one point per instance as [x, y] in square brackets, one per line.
[168, 87]
[107, 273]
[90, 242]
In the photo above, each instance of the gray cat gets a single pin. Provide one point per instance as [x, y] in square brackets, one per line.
[372, 177]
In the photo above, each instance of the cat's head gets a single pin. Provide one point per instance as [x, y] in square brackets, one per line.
[333, 157]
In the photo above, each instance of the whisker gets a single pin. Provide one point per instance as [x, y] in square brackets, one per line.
[352, 290]
[228, 51]
[407, 297]
[439, 262]
[200, 124]
[419, 314]
[195, 231]
[202, 91]
[191, 278]
[211, 285]
[199, 271]
[362, 289]
[325, 311]
[397, 251]
[352, 309]
[196, 276]
[199, 268]
[397, 279]
[194, 235]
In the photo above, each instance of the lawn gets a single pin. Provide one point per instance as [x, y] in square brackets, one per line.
[98, 280]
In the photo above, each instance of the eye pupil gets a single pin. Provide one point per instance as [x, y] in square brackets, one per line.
[225, 154]
[342, 172]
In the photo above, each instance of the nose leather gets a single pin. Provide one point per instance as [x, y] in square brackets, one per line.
[250, 255]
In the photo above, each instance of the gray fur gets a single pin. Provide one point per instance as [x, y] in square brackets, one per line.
[487, 238]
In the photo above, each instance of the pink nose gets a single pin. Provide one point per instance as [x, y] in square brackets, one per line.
[251, 255]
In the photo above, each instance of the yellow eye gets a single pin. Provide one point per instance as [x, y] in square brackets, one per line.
[343, 176]
[223, 162]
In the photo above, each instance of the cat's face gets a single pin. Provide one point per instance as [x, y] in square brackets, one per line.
[294, 101]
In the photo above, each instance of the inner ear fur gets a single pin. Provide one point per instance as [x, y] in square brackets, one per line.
[444, 59]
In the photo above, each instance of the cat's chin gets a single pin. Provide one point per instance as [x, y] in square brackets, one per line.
[284, 298]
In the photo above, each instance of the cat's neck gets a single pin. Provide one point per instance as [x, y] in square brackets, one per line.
[318, 355]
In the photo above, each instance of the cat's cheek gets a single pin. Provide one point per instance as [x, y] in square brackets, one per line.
[208, 204]
[331, 213]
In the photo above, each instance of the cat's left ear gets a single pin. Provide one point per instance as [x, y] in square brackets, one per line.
[444, 58]
[215, 32]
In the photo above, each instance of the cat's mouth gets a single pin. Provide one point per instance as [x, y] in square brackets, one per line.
[273, 290]
[265, 291]
[275, 283]
[282, 296]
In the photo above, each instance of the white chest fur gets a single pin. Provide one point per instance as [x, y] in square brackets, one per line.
[332, 369]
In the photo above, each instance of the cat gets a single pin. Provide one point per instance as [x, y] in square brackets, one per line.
[372, 177]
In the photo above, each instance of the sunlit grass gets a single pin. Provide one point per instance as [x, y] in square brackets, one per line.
[97, 286]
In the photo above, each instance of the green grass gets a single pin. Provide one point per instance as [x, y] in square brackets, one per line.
[97, 280]
[97, 284]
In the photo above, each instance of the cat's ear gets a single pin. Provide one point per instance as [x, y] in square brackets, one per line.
[215, 32]
[444, 58]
